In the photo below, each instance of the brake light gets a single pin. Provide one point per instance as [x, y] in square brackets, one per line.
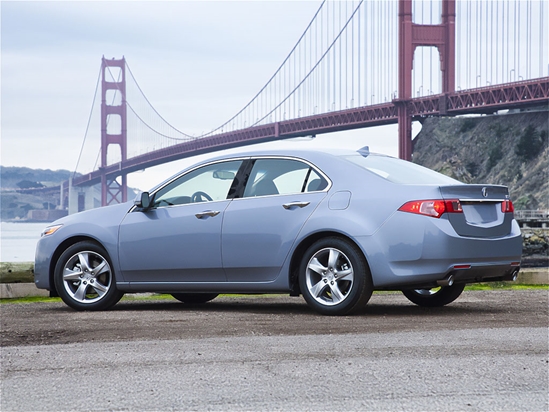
[507, 206]
[433, 208]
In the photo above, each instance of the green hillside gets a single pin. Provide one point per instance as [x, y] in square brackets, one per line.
[510, 150]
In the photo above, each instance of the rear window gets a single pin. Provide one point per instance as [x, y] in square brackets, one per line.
[400, 171]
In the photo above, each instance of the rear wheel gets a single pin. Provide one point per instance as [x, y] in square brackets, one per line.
[195, 298]
[334, 277]
[84, 278]
[435, 297]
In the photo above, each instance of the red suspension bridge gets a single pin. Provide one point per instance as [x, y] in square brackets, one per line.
[357, 64]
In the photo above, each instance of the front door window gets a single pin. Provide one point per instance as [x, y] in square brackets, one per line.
[205, 184]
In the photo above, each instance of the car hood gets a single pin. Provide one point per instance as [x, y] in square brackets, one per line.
[114, 213]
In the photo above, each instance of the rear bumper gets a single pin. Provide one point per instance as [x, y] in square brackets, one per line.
[487, 273]
[421, 251]
[474, 274]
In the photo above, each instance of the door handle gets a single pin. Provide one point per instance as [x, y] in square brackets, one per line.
[295, 204]
[210, 213]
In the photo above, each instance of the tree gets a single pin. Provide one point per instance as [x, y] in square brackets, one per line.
[529, 144]
[27, 184]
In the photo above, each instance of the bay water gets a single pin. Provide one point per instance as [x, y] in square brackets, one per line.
[18, 240]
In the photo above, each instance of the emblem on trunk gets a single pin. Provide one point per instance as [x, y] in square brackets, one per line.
[484, 192]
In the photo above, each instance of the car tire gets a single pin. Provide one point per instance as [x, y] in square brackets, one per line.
[195, 298]
[85, 279]
[434, 297]
[334, 277]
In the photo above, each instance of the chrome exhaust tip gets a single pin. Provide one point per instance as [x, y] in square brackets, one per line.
[449, 281]
[515, 275]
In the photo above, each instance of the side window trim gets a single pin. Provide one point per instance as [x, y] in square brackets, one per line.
[241, 179]
[306, 181]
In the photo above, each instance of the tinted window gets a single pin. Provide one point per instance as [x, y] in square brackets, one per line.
[282, 176]
[400, 171]
[207, 183]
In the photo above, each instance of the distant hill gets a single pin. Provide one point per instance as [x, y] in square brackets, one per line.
[16, 205]
[510, 150]
[10, 177]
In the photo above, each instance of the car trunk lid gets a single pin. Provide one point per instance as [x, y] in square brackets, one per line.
[483, 215]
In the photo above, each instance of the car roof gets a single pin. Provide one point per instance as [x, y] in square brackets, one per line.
[290, 149]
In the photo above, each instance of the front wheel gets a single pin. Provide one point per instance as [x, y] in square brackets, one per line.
[84, 278]
[434, 297]
[334, 277]
[195, 298]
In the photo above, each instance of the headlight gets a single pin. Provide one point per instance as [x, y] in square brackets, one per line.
[50, 230]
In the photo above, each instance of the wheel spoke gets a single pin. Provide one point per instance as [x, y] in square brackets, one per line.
[101, 268]
[332, 259]
[69, 274]
[316, 266]
[80, 293]
[347, 274]
[83, 258]
[317, 289]
[337, 296]
[99, 288]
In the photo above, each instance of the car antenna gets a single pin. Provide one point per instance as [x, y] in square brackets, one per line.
[364, 151]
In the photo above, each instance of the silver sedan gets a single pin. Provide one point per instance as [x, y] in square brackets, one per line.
[332, 227]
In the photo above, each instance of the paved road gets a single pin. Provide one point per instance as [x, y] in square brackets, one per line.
[486, 352]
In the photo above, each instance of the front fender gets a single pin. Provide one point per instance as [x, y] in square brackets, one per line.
[100, 225]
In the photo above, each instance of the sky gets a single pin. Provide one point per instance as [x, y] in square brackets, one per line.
[182, 53]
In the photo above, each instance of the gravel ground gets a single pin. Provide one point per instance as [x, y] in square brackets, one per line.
[488, 351]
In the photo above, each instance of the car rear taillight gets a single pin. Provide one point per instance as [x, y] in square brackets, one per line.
[433, 208]
[507, 206]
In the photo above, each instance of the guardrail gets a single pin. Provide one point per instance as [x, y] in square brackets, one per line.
[535, 215]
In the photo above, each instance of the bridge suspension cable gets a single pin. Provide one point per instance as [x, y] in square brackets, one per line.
[347, 57]
[88, 124]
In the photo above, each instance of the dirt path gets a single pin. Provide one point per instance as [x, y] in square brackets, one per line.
[133, 320]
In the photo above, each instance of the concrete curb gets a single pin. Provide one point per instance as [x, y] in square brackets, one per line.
[533, 276]
[529, 276]
[21, 290]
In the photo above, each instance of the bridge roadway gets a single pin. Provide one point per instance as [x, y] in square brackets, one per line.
[485, 352]
[480, 100]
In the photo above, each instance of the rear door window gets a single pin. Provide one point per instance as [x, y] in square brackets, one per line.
[283, 176]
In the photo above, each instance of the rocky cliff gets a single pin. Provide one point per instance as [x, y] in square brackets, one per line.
[510, 150]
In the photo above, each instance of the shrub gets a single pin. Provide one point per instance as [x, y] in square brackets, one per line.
[467, 125]
[529, 144]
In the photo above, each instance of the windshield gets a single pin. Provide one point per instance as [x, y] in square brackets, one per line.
[400, 171]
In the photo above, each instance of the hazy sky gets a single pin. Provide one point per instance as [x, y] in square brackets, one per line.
[181, 52]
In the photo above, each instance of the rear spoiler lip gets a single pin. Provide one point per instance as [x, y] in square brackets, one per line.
[483, 200]
[476, 192]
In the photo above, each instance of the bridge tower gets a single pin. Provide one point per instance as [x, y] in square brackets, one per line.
[113, 129]
[411, 35]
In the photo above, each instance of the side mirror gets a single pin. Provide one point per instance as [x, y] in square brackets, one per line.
[142, 200]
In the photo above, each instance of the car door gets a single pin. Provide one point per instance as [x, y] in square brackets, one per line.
[260, 228]
[179, 238]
